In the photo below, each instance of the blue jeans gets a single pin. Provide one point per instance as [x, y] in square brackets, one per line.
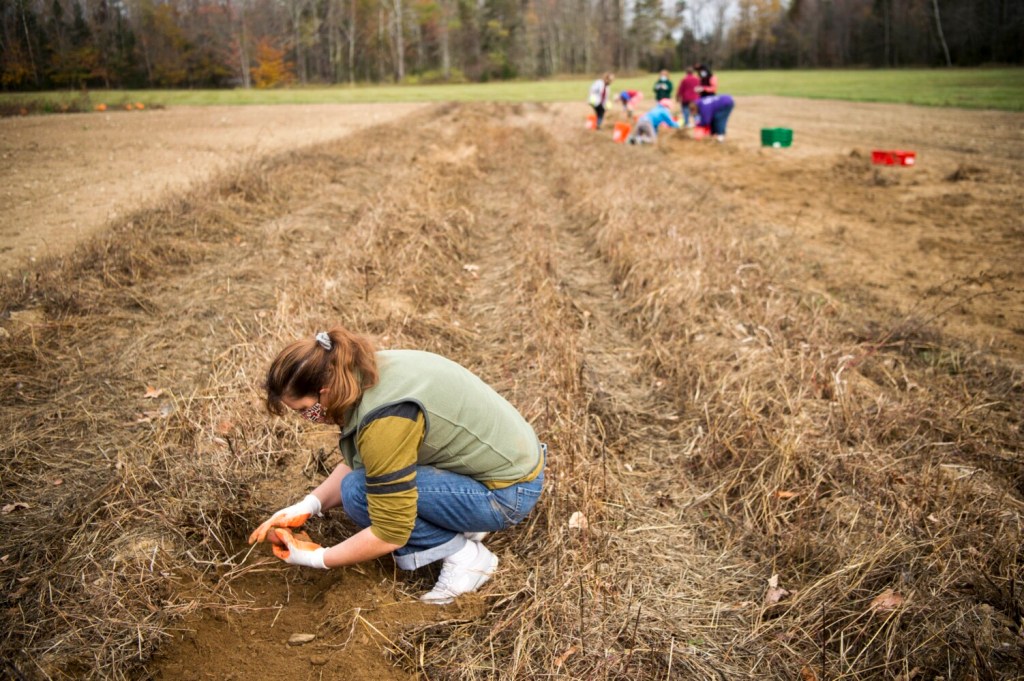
[719, 119]
[448, 505]
[686, 113]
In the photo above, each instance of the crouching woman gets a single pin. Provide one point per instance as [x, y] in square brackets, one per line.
[714, 111]
[433, 459]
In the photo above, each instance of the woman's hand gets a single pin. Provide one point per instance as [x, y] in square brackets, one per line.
[272, 538]
[296, 550]
[293, 516]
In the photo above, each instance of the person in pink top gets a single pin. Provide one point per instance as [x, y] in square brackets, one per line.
[688, 95]
[629, 100]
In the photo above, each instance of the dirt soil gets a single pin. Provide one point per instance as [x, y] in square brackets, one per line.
[64, 177]
[944, 230]
[938, 244]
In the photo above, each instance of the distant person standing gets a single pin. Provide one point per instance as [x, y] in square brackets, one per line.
[646, 130]
[688, 95]
[663, 87]
[714, 112]
[599, 96]
[708, 81]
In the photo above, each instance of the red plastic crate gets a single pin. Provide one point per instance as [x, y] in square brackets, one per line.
[893, 158]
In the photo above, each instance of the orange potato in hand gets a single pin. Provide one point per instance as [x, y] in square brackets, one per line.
[293, 516]
[298, 541]
[273, 538]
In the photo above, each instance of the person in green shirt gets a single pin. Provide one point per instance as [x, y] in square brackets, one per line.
[662, 87]
[433, 459]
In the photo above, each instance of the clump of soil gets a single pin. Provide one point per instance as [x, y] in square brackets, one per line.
[965, 172]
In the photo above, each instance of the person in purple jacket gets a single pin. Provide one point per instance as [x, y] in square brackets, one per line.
[713, 112]
[646, 130]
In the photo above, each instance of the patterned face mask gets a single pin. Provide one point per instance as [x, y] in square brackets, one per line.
[314, 414]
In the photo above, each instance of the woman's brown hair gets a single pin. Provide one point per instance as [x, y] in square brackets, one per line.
[306, 366]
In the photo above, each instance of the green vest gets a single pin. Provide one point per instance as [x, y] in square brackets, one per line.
[470, 429]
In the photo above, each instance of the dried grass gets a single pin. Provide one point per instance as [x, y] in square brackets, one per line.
[714, 421]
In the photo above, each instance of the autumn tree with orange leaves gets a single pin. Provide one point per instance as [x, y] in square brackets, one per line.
[271, 69]
[214, 43]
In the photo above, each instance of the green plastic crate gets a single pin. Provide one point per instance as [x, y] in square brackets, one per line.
[776, 137]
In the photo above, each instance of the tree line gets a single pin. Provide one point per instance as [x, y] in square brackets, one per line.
[263, 43]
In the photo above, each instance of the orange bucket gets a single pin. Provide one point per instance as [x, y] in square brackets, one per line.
[700, 132]
[592, 122]
[621, 132]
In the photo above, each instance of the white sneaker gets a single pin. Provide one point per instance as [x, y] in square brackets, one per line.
[465, 571]
[474, 536]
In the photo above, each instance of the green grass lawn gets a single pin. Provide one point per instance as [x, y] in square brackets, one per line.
[969, 88]
[1001, 88]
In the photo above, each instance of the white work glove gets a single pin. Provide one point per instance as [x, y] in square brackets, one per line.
[297, 550]
[293, 516]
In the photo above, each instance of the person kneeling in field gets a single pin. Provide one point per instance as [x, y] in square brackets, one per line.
[646, 130]
[630, 99]
[434, 459]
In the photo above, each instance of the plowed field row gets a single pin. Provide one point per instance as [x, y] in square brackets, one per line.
[763, 464]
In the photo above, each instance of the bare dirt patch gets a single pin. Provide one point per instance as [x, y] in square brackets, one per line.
[936, 238]
[937, 243]
[64, 177]
[794, 460]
